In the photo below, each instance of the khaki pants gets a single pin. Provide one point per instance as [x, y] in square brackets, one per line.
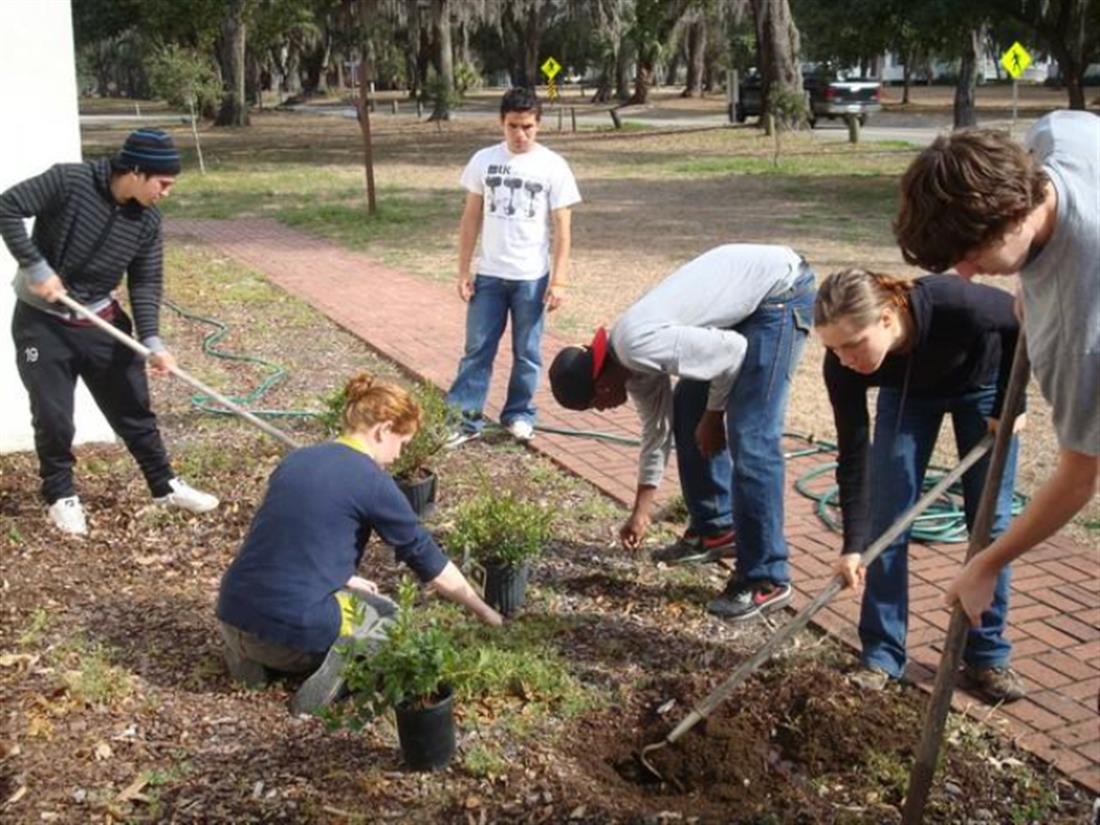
[243, 646]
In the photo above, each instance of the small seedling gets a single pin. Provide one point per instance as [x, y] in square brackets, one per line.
[484, 763]
[36, 627]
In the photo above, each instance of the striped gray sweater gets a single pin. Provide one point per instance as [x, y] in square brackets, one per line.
[88, 239]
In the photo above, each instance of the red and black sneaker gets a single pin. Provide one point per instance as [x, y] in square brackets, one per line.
[741, 601]
[691, 548]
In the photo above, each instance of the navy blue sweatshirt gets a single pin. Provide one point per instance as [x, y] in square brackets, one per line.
[88, 239]
[966, 339]
[307, 539]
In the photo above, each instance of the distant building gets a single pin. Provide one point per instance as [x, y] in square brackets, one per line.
[39, 100]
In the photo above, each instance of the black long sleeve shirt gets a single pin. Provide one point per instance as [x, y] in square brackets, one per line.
[87, 238]
[965, 339]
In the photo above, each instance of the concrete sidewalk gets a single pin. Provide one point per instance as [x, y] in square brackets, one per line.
[1055, 614]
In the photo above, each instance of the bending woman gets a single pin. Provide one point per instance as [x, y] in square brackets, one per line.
[934, 346]
[286, 598]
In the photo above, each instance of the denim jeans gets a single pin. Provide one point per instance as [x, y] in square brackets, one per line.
[743, 485]
[494, 300]
[903, 442]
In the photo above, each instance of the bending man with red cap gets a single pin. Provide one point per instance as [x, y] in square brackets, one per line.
[730, 325]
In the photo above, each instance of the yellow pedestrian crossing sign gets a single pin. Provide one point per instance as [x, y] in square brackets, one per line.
[550, 68]
[1015, 60]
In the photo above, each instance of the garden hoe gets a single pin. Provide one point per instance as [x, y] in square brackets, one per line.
[145, 352]
[800, 620]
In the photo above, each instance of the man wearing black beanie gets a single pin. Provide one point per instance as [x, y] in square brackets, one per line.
[94, 222]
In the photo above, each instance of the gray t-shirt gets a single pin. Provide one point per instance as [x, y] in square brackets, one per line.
[684, 327]
[1061, 286]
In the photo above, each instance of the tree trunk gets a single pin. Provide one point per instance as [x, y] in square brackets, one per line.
[531, 34]
[968, 80]
[423, 60]
[697, 57]
[778, 45]
[443, 57]
[464, 44]
[254, 83]
[622, 73]
[906, 77]
[317, 63]
[234, 108]
[643, 77]
[672, 68]
[1072, 74]
[293, 71]
[366, 14]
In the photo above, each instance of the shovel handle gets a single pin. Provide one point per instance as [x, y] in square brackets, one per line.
[145, 352]
[800, 620]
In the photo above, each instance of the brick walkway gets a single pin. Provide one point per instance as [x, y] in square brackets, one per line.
[1055, 615]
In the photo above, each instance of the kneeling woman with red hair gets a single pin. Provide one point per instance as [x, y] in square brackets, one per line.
[287, 597]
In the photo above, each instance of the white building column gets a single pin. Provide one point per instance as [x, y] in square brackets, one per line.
[38, 99]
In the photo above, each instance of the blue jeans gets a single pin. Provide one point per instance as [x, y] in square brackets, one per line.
[493, 301]
[903, 442]
[743, 485]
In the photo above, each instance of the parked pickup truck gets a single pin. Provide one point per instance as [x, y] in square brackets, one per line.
[830, 96]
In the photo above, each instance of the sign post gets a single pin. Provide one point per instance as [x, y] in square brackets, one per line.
[550, 68]
[1015, 61]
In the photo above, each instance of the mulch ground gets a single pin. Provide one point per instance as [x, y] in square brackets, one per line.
[116, 706]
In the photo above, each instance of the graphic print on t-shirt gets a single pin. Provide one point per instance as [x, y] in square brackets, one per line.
[509, 195]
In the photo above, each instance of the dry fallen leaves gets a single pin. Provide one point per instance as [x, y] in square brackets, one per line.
[133, 791]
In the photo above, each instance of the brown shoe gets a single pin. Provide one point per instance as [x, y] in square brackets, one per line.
[995, 684]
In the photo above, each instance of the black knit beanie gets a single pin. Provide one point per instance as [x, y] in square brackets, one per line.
[150, 151]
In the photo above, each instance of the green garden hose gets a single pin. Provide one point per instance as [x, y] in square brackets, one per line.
[275, 375]
[943, 522]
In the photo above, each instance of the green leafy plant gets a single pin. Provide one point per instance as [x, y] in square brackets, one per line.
[788, 111]
[467, 76]
[188, 79]
[411, 668]
[441, 94]
[332, 412]
[435, 422]
[500, 529]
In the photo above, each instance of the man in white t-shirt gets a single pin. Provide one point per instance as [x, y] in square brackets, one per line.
[515, 190]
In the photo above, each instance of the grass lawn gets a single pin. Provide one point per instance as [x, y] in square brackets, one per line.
[653, 199]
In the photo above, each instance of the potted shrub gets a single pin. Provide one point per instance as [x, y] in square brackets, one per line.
[501, 534]
[409, 672]
[411, 471]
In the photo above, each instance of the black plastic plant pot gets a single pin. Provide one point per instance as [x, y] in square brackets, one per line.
[427, 734]
[506, 586]
[420, 493]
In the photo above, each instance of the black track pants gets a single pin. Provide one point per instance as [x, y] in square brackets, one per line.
[50, 356]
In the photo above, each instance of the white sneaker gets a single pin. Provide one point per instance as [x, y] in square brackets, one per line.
[67, 515]
[186, 497]
[521, 429]
[459, 437]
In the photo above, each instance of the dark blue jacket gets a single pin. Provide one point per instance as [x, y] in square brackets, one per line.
[307, 539]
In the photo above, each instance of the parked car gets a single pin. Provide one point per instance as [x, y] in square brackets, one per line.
[830, 96]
